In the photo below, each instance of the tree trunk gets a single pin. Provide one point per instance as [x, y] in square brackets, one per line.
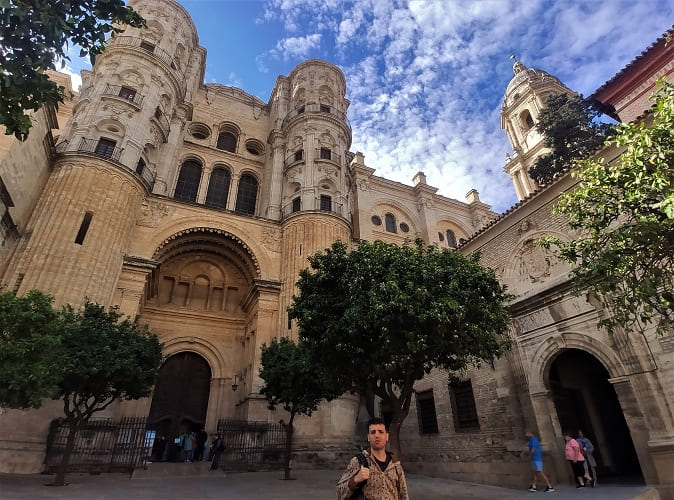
[289, 445]
[394, 433]
[60, 479]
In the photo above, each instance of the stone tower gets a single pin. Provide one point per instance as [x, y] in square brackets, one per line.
[524, 99]
[127, 120]
[311, 140]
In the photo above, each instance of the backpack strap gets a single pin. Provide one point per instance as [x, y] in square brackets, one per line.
[362, 460]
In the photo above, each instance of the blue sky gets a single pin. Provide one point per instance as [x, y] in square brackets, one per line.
[426, 78]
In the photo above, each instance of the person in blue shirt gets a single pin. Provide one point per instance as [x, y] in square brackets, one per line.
[537, 463]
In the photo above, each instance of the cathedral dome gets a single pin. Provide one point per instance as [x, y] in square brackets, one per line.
[524, 79]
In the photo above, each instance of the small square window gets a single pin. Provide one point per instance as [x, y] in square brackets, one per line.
[326, 154]
[300, 110]
[326, 203]
[325, 108]
[299, 154]
[147, 46]
[297, 202]
[127, 93]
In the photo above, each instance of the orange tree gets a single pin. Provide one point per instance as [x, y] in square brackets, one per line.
[34, 35]
[382, 316]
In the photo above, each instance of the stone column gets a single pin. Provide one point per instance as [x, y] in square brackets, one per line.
[550, 436]
[233, 188]
[214, 412]
[203, 185]
[638, 430]
[276, 187]
[131, 284]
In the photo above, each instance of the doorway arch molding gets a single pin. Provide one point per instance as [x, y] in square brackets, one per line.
[202, 347]
[552, 347]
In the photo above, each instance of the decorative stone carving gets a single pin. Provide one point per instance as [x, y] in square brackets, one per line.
[363, 185]
[424, 203]
[271, 239]
[526, 226]
[533, 263]
[151, 212]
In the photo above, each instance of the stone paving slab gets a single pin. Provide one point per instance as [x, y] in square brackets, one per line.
[309, 484]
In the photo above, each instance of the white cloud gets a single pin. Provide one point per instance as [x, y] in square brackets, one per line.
[296, 47]
[426, 77]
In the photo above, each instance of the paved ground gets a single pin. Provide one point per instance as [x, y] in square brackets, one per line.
[309, 484]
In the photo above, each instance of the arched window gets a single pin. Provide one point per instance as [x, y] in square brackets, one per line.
[246, 195]
[226, 141]
[218, 187]
[527, 121]
[188, 181]
[390, 221]
[451, 239]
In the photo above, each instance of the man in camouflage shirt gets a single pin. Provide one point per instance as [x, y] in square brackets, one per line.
[384, 474]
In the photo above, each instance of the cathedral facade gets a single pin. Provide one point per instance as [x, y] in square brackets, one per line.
[195, 206]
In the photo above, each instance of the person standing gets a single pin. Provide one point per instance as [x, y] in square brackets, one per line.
[574, 455]
[188, 446]
[537, 463]
[588, 451]
[201, 438]
[375, 474]
[217, 448]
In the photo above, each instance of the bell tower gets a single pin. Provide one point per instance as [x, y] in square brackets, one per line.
[524, 99]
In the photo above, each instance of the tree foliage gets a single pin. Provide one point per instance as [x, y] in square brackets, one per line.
[105, 358]
[382, 316]
[34, 35]
[624, 213]
[293, 382]
[29, 345]
[570, 131]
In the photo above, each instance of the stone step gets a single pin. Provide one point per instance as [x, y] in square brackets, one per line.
[175, 469]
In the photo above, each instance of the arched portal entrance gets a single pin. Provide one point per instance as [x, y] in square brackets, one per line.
[180, 399]
[585, 399]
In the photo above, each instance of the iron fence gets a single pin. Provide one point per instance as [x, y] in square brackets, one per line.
[102, 445]
[251, 446]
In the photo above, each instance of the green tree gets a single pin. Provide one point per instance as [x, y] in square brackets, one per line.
[570, 131]
[382, 316]
[624, 214]
[29, 346]
[34, 35]
[293, 382]
[105, 358]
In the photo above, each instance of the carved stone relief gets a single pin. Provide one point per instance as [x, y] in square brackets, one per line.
[534, 263]
[271, 239]
[151, 212]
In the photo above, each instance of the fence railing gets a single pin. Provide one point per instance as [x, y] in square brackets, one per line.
[92, 146]
[329, 206]
[122, 93]
[293, 157]
[99, 149]
[162, 120]
[251, 446]
[102, 445]
[319, 204]
[315, 108]
[326, 154]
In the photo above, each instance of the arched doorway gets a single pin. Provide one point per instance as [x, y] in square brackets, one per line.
[585, 399]
[180, 399]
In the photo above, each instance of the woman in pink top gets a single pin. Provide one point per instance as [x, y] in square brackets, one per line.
[575, 457]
